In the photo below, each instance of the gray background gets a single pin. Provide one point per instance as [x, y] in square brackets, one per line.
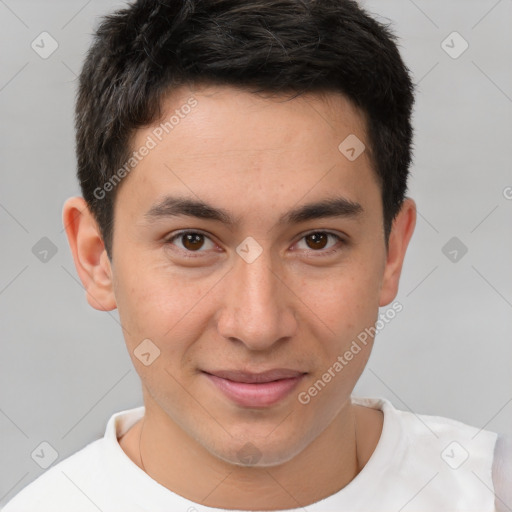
[64, 367]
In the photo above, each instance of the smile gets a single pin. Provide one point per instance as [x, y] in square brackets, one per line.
[256, 390]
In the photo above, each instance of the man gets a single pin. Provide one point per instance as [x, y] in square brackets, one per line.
[244, 172]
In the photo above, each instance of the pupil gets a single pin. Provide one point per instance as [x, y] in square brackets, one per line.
[193, 241]
[319, 240]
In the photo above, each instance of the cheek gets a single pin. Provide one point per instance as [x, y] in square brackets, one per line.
[142, 304]
[155, 308]
[346, 299]
[159, 304]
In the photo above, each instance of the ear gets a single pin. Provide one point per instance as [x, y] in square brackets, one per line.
[401, 233]
[89, 254]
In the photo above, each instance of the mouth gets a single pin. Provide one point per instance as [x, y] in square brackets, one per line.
[249, 389]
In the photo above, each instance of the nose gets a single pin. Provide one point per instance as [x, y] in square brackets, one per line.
[258, 307]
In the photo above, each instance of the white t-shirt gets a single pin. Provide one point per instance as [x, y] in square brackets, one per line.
[421, 463]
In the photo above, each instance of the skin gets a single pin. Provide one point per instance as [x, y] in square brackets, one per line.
[257, 158]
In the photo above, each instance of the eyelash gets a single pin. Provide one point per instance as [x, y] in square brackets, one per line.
[192, 254]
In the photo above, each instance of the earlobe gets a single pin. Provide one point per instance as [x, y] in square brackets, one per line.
[89, 254]
[401, 233]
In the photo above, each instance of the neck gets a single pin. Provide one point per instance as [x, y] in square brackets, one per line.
[169, 456]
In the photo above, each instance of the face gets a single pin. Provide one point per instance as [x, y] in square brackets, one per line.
[222, 261]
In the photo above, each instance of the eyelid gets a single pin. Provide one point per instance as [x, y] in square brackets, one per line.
[169, 240]
[339, 237]
[320, 230]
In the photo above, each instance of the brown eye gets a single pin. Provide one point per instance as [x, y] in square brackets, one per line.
[191, 241]
[321, 242]
[316, 240]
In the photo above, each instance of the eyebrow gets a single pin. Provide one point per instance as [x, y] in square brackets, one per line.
[171, 206]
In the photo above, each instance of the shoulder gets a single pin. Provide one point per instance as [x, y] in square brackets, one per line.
[450, 461]
[502, 473]
[66, 482]
[449, 442]
[85, 481]
[457, 457]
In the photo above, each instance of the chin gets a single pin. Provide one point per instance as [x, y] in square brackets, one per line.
[258, 451]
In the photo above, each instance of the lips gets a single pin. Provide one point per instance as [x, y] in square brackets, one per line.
[256, 378]
[255, 390]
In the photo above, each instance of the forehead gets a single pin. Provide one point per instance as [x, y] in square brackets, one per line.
[238, 119]
[219, 143]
